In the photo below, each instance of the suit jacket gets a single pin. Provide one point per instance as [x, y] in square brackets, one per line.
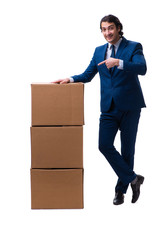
[122, 86]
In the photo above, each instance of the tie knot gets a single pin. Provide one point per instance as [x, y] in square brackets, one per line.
[112, 46]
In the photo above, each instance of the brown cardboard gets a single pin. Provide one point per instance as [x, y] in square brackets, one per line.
[56, 188]
[57, 104]
[57, 147]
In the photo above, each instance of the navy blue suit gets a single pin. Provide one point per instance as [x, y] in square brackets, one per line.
[121, 103]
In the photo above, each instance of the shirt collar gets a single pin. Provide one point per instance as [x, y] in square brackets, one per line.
[116, 44]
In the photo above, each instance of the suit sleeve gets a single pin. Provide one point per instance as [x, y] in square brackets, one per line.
[137, 63]
[88, 74]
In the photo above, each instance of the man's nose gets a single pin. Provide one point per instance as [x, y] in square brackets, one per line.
[107, 32]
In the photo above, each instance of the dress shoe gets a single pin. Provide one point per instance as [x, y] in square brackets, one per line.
[118, 199]
[136, 188]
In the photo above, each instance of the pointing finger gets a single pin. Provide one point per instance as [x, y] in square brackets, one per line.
[101, 63]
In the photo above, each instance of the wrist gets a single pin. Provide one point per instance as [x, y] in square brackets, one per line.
[117, 63]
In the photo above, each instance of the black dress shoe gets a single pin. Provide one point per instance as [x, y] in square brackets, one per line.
[136, 188]
[118, 199]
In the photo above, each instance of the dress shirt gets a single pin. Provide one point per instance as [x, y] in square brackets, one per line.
[108, 54]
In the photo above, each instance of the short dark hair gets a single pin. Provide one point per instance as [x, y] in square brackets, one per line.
[111, 18]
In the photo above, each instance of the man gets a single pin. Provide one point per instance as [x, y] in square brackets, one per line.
[119, 62]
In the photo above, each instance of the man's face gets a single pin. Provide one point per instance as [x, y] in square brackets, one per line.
[110, 32]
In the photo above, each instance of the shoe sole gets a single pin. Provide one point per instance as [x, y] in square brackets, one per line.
[116, 204]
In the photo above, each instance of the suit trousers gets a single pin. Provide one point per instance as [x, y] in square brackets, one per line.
[127, 123]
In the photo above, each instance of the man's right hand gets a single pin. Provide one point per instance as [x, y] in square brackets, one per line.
[62, 81]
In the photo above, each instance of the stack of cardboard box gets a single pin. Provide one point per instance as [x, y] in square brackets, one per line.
[57, 146]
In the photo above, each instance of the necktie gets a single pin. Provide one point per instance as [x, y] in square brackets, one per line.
[112, 56]
[113, 51]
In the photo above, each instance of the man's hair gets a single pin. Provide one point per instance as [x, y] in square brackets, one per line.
[111, 18]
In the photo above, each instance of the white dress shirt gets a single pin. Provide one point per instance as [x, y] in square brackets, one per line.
[108, 54]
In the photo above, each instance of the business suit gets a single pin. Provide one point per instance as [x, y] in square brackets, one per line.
[121, 103]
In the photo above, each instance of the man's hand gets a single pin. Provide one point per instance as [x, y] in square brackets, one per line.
[110, 62]
[62, 81]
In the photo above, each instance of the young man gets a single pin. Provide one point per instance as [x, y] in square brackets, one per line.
[119, 62]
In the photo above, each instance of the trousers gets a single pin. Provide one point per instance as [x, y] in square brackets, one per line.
[122, 163]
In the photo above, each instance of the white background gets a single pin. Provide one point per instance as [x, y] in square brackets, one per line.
[41, 41]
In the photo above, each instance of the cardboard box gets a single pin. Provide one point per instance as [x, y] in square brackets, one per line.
[56, 188]
[57, 104]
[57, 147]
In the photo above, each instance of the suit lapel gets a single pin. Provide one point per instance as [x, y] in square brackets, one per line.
[103, 57]
[121, 47]
[104, 51]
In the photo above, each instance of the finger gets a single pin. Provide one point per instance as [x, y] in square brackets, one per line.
[57, 81]
[63, 82]
[101, 63]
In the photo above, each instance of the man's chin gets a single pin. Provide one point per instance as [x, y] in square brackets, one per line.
[109, 40]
